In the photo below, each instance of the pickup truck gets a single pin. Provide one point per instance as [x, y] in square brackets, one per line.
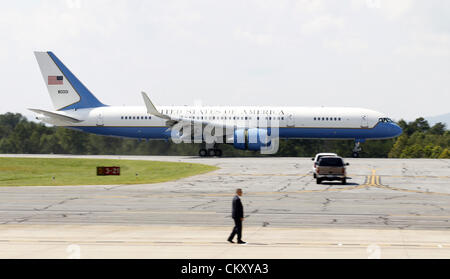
[331, 169]
[317, 158]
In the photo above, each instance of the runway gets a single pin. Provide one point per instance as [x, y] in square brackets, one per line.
[144, 241]
[390, 195]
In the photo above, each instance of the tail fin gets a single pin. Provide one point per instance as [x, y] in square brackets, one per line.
[66, 91]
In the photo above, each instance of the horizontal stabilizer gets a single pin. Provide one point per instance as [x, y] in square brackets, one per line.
[56, 116]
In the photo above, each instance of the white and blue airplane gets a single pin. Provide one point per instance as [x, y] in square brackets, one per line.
[75, 107]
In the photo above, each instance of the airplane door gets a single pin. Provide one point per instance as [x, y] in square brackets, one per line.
[364, 122]
[290, 121]
[100, 120]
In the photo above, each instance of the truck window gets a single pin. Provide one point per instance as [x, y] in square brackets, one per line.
[331, 162]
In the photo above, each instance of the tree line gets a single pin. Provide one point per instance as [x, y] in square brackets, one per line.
[21, 136]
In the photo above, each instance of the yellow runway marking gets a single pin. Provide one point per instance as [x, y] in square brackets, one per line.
[307, 174]
[375, 182]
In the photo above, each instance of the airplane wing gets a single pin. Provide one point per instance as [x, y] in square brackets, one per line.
[171, 120]
[56, 116]
[151, 109]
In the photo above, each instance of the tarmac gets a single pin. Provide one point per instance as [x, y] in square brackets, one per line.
[391, 208]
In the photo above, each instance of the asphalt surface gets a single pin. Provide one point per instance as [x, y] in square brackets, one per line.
[411, 194]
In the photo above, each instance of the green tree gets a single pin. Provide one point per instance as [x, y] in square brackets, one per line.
[445, 154]
[437, 129]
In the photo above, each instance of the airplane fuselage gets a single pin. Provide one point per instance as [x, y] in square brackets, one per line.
[293, 122]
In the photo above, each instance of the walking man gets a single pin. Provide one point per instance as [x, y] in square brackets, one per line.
[238, 216]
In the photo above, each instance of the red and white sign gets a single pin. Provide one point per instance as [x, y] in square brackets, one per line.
[108, 170]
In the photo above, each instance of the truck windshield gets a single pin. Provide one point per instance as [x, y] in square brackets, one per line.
[331, 162]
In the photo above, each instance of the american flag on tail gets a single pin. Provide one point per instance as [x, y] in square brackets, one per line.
[55, 80]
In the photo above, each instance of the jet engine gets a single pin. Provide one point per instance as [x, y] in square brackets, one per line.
[251, 139]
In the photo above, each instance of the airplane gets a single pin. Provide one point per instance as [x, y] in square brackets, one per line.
[244, 127]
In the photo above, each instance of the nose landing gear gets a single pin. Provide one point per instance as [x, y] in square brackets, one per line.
[357, 149]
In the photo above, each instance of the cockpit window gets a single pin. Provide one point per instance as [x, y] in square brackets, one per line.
[385, 120]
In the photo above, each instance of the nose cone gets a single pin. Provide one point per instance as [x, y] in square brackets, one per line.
[396, 130]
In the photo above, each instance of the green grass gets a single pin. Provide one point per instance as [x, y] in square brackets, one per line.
[40, 171]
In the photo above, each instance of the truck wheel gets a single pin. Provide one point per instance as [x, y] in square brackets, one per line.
[318, 180]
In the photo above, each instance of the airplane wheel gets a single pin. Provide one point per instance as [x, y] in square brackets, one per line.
[211, 152]
[202, 152]
[318, 180]
[218, 152]
[355, 155]
[344, 181]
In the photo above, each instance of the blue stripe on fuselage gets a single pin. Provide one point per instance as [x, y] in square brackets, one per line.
[127, 132]
[380, 131]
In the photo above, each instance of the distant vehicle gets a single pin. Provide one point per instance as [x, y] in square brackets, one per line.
[331, 168]
[317, 158]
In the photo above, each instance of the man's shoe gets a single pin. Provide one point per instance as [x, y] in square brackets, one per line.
[231, 241]
[241, 242]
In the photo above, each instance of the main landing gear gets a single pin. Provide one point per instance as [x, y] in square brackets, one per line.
[210, 151]
[357, 149]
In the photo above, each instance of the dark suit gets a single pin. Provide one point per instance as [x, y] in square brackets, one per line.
[237, 213]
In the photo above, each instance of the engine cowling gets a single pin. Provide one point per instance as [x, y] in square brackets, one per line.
[251, 139]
